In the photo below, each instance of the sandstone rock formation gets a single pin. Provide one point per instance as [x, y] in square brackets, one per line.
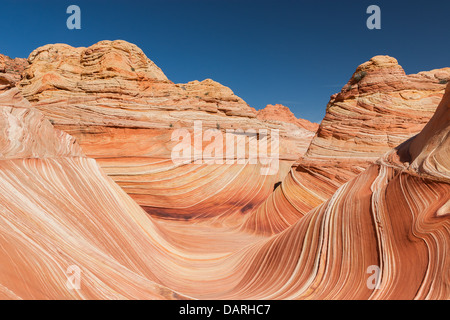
[122, 110]
[25, 132]
[394, 217]
[112, 84]
[281, 113]
[58, 209]
[379, 108]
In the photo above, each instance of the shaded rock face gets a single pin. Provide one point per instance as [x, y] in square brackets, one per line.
[123, 110]
[282, 113]
[428, 153]
[378, 109]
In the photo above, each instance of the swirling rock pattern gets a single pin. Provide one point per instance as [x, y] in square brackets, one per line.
[379, 108]
[59, 209]
[52, 202]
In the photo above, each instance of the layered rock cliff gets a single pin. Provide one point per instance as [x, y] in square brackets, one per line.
[112, 84]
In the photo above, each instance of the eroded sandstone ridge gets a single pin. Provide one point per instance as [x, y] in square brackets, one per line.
[281, 113]
[394, 216]
[379, 108]
[122, 110]
[113, 86]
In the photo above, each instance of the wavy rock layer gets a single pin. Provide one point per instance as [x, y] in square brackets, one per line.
[58, 209]
[122, 110]
[379, 108]
[25, 132]
[114, 86]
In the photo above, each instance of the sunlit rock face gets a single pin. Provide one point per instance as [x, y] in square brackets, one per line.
[59, 210]
[123, 110]
[379, 108]
[25, 132]
[371, 194]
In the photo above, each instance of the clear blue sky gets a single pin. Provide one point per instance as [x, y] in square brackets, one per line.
[297, 53]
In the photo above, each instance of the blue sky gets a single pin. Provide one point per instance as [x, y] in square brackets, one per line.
[297, 53]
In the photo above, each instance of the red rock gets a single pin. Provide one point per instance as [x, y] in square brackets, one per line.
[62, 211]
[12, 67]
[282, 113]
[396, 209]
[58, 210]
[122, 110]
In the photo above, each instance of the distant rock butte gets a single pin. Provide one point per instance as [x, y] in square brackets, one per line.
[378, 109]
[122, 110]
[282, 113]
